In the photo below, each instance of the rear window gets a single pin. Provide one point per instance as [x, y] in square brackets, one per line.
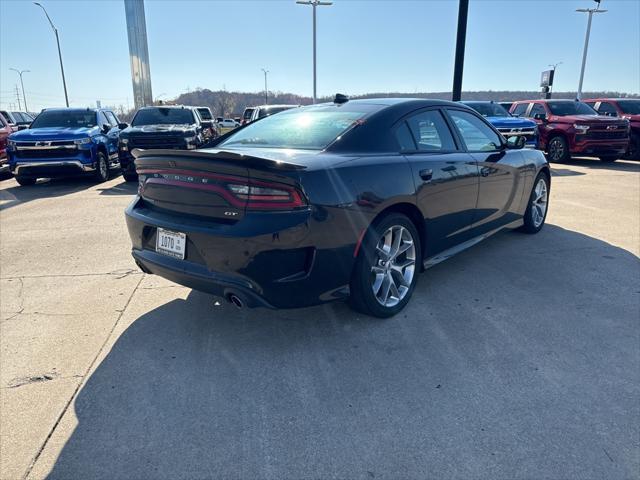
[65, 119]
[312, 128]
[163, 116]
[205, 114]
[570, 108]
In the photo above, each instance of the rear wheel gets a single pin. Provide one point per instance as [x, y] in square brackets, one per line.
[25, 181]
[102, 168]
[130, 177]
[608, 158]
[386, 270]
[558, 150]
[536, 213]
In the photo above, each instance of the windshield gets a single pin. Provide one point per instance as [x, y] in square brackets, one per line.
[631, 107]
[562, 109]
[312, 128]
[163, 116]
[488, 109]
[205, 114]
[65, 119]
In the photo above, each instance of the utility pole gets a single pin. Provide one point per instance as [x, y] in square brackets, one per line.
[18, 97]
[590, 11]
[24, 97]
[55, 30]
[461, 39]
[266, 94]
[314, 4]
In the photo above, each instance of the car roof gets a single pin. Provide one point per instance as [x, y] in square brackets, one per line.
[186, 107]
[73, 109]
[277, 106]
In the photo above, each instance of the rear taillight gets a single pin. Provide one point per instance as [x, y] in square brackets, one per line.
[267, 196]
[238, 191]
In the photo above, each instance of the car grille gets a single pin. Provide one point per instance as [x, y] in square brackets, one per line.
[157, 142]
[620, 133]
[49, 153]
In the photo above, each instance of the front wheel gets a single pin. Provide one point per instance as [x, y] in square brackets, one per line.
[558, 150]
[387, 267]
[25, 181]
[633, 153]
[130, 177]
[102, 168]
[536, 213]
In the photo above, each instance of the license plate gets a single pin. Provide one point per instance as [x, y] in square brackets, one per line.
[171, 243]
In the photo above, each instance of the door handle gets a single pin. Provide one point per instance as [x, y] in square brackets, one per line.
[426, 174]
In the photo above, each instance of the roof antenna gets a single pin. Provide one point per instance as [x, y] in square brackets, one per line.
[340, 99]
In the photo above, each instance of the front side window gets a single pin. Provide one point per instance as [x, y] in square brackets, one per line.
[562, 109]
[163, 116]
[312, 128]
[537, 109]
[205, 114]
[112, 119]
[430, 132]
[477, 135]
[520, 109]
[65, 119]
[630, 107]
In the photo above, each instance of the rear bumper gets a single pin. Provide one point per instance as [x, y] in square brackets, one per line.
[276, 260]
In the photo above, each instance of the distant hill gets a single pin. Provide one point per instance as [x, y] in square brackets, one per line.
[230, 104]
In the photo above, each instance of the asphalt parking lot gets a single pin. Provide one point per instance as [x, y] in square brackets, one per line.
[519, 358]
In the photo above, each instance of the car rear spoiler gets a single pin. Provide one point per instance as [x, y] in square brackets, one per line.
[226, 155]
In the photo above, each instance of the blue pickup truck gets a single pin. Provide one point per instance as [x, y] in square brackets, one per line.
[62, 142]
[507, 124]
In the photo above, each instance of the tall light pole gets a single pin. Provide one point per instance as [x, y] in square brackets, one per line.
[24, 97]
[590, 11]
[314, 4]
[266, 94]
[55, 30]
[461, 40]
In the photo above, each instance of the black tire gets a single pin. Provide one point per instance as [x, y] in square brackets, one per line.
[608, 158]
[558, 149]
[25, 181]
[130, 177]
[532, 222]
[363, 279]
[102, 168]
[633, 153]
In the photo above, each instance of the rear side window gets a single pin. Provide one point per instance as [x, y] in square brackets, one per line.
[430, 132]
[477, 135]
[404, 138]
[520, 109]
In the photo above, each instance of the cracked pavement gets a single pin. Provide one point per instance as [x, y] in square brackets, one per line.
[519, 358]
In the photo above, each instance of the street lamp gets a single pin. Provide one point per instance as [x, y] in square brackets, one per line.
[24, 97]
[266, 98]
[55, 30]
[314, 4]
[590, 11]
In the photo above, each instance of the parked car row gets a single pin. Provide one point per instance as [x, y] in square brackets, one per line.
[69, 141]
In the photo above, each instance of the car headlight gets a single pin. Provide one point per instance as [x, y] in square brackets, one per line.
[191, 142]
[11, 143]
[581, 128]
[124, 141]
[82, 141]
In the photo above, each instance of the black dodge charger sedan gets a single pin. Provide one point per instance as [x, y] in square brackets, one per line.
[336, 200]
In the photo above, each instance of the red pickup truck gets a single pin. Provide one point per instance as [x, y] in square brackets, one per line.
[628, 108]
[570, 127]
[5, 131]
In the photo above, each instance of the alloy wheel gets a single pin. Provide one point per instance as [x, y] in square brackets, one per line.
[539, 203]
[394, 266]
[556, 149]
[102, 165]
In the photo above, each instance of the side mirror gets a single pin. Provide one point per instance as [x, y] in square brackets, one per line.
[540, 116]
[106, 128]
[122, 125]
[516, 142]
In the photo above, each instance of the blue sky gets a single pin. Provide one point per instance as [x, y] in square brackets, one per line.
[363, 46]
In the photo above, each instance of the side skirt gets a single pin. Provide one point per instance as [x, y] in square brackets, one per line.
[446, 254]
